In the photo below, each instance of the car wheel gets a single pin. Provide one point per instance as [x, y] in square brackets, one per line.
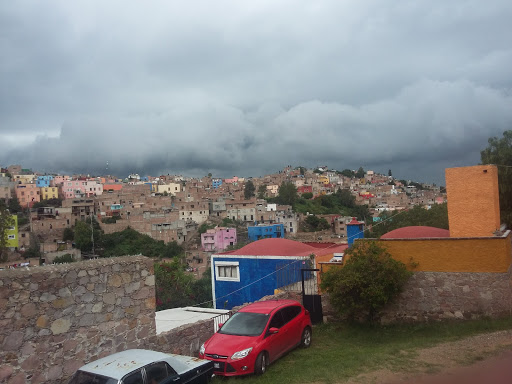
[260, 366]
[305, 341]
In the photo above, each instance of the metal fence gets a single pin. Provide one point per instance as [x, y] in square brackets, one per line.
[220, 319]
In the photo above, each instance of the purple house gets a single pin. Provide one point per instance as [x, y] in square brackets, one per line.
[218, 239]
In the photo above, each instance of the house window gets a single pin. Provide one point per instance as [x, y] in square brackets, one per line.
[227, 271]
[13, 237]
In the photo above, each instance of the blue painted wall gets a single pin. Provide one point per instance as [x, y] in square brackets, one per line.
[229, 294]
[354, 231]
[43, 181]
[265, 232]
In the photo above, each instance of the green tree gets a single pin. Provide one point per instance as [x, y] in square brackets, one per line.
[262, 189]
[369, 280]
[360, 173]
[6, 222]
[249, 190]
[68, 234]
[14, 205]
[204, 227]
[173, 285]
[307, 195]
[389, 173]
[499, 152]
[287, 194]
[313, 223]
[84, 234]
[348, 173]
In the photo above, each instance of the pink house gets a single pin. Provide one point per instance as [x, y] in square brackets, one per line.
[71, 188]
[93, 188]
[218, 239]
[234, 180]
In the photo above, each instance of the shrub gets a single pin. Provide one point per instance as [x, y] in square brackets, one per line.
[367, 281]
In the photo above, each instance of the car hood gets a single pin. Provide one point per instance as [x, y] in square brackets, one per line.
[226, 345]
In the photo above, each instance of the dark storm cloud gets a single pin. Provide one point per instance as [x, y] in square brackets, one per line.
[248, 87]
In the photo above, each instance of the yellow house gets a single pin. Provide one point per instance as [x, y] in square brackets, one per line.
[48, 193]
[323, 179]
[12, 234]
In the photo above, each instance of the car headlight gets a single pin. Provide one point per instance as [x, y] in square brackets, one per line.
[241, 354]
[201, 350]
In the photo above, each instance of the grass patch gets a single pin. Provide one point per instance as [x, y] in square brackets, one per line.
[342, 351]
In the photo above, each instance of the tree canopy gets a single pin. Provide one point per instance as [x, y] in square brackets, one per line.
[287, 194]
[499, 152]
[249, 190]
[367, 281]
[437, 217]
[175, 288]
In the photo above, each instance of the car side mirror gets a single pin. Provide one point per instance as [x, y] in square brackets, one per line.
[220, 325]
[273, 330]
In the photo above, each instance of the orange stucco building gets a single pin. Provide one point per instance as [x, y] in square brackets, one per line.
[473, 201]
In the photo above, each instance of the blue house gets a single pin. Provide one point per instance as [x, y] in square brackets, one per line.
[216, 183]
[43, 181]
[270, 231]
[257, 270]
[355, 230]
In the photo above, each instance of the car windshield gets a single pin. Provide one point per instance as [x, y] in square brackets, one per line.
[245, 324]
[82, 377]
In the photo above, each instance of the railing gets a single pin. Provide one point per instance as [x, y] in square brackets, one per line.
[220, 319]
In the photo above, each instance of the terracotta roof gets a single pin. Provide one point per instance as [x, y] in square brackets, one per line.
[416, 232]
[283, 247]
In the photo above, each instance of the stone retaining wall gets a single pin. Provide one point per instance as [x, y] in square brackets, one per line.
[434, 296]
[55, 318]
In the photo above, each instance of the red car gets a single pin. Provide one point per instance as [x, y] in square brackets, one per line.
[256, 336]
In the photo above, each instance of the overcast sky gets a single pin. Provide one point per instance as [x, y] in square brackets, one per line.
[247, 87]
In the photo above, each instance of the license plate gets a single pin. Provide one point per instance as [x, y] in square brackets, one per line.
[216, 365]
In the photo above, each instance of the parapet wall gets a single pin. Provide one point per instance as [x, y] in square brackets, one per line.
[56, 318]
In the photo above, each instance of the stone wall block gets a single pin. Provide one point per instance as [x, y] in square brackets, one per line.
[13, 341]
[71, 277]
[82, 273]
[115, 281]
[60, 326]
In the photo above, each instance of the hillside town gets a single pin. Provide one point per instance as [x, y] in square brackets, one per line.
[199, 214]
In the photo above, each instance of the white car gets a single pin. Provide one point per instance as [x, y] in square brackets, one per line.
[140, 366]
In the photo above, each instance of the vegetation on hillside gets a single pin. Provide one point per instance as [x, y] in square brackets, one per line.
[175, 288]
[342, 202]
[437, 216]
[6, 221]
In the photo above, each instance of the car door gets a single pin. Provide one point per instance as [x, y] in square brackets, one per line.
[292, 327]
[134, 377]
[276, 343]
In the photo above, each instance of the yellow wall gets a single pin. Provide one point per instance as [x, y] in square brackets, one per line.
[492, 254]
[48, 193]
[473, 200]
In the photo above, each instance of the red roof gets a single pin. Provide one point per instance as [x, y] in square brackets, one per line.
[284, 247]
[416, 232]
